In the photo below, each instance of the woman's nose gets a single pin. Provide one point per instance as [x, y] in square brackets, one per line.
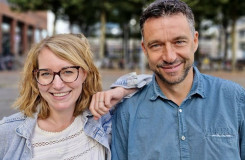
[57, 82]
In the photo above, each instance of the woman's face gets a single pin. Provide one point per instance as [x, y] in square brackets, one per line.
[60, 96]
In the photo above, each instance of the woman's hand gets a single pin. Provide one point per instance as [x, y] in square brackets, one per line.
[103, 101]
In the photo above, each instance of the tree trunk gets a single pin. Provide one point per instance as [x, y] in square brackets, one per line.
[233, 43]
[225, 26]
[102, 35]
[225, 44]
[70, 27]
[54, 24]
[127, 57]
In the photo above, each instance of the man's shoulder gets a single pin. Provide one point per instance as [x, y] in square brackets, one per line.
[218, 80]
[222, 84]
[144, 91]
[142, 95]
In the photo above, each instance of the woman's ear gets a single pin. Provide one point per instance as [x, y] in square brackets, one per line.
[84, 75]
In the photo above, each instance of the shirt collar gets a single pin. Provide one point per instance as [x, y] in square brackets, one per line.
[196, 89]
[157, 92]
[26, 128]
[198, 84]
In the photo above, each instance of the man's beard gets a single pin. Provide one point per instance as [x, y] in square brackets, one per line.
[178, 80]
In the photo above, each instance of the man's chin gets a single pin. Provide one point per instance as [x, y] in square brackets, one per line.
[170, 79]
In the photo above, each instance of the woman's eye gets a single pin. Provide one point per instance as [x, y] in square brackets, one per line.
[68, 72]
[45, 74]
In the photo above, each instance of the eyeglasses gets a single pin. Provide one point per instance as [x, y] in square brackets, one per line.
[46, 76]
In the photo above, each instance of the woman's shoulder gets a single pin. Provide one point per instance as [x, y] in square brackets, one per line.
[8, 127]
[12, 119]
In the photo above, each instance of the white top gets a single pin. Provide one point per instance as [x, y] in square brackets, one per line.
[69, 144]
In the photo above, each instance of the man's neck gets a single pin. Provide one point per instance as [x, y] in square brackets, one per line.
[178, 92]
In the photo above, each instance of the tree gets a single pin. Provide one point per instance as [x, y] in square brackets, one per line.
[126, 10]
[76, 11]
[79, 12]
[232, 10]
[27, 5]
[203, 10]
[223, 12]
[86, 14]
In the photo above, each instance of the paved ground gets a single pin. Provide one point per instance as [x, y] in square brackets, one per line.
[9, 85]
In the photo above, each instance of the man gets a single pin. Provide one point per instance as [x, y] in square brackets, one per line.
[181, 114]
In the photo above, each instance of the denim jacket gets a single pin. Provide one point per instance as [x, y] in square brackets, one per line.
[16, 130]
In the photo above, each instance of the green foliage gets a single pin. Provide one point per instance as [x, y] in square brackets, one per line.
[26, 5]
[87, 13]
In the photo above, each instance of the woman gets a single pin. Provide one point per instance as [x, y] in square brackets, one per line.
[58, 81]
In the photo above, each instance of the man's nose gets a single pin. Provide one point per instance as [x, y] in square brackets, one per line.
[169, 54]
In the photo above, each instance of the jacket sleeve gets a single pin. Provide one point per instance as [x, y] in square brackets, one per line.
[2, 140]
[132, 80]
[119, 134]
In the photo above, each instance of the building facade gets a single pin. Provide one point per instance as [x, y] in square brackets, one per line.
[18, 30]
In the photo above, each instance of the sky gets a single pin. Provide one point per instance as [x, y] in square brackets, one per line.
[61, 26]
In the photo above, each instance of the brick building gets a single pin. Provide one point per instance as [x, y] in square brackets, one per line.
[18, 31]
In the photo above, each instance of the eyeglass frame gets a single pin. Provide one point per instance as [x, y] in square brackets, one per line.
[54, 74]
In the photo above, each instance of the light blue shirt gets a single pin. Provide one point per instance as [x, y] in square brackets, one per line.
[208, 125]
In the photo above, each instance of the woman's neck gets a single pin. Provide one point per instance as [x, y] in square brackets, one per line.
[56, 122]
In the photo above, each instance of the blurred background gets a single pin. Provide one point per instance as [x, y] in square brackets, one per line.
[112, 27]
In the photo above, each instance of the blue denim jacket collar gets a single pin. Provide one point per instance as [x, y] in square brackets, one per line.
[197, 87]
[25, 129]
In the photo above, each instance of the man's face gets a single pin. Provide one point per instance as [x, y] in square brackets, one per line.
[169, 46]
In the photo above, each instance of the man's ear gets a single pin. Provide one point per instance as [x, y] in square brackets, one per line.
[144, 48]
[196, 41]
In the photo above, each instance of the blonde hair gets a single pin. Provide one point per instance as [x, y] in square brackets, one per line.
[70, 47]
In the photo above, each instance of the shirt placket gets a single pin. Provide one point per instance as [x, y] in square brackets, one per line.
[183, 139]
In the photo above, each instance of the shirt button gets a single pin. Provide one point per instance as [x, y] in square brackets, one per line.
[180, 110]
[183, 138]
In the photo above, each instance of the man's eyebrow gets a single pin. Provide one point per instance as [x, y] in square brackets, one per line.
[158, 41]
[180, 37]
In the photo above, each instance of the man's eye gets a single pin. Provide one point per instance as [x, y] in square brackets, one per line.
[180, 42]
[155, 46]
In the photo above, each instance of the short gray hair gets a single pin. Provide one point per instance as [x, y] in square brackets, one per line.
[161, 8]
